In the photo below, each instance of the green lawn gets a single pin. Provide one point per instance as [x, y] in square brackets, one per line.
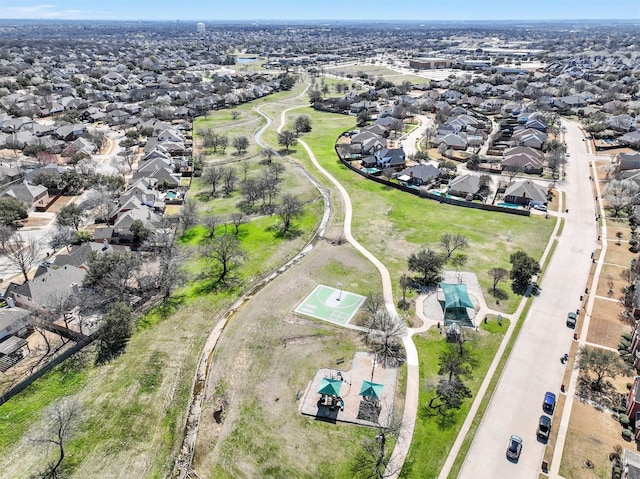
[391, 223]
[432, 440]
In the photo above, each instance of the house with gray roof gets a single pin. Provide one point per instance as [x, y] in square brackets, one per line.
[464, 186]
[32, 195]
[46, 290]
[525, 192]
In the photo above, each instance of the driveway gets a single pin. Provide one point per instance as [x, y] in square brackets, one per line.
[534, 365]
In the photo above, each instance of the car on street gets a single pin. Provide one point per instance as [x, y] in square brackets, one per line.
[544, 427]
[514, 447]
[549, 403]
[571, 319]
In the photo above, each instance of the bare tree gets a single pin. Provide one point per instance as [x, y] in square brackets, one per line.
[211, 222]
[22, 255]
[241, 144]
[497, 275]
[451, 243]
[373, 303]
[188, 214]
[61, 419]
[383, 336]
[372, 460]
[171, 272]
[238, 218]
[268, 154]
[289, 208]
[213, 176]
[405, 284]
[229, 178]
[226, 252]
[621, 194]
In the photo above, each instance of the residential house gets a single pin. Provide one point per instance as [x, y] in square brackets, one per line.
[32, 195]
[465, 186]
[120, 232]
[633, 406]
[390, 158]
[419, 174]
[525, 192]
[523, 158]
[368, 142]
[628, 161]
[630, 464]
[70, 132]
[452, 140]
[14, 323]
[46, 290]
[528, 137]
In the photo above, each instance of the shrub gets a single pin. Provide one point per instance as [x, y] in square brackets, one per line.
[627, 435]
[629, 386]
[624, 420]
[627, 336]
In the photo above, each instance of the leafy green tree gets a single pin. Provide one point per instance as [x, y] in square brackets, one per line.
[315, 96]
[287, 82]
[523, 268]
[116, 328]
[286, 138]
[302, 124]
[140, 231]
[12, 210]
[427, 263]
[70, 215]
[48, 178]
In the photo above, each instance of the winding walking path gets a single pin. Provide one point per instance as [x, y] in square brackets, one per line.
[413, 378]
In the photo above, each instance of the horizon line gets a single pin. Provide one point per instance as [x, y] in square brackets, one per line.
[335, 20]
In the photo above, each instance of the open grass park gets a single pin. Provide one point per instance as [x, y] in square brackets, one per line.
[134, 407]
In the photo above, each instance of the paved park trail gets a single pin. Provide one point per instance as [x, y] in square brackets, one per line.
[411, 401]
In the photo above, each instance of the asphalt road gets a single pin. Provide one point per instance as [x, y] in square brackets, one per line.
[534, 365]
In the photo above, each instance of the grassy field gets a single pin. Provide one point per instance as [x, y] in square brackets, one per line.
[391, 223]
[265, 361]
[432, 440]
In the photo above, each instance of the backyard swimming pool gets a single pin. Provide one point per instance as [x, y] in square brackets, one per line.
[509, 205]
[171, 195]
[371, 171]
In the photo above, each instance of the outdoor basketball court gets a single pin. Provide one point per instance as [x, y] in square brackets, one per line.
[330, 304]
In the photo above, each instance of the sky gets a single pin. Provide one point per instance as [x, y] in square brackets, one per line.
[422, 10]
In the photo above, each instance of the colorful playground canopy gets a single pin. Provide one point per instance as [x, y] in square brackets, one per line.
[330, 387]
[371, 390]
[455, 296]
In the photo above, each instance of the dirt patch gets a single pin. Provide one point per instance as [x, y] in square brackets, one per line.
[618, 254]
[60, 202]
[591, 437]
[266, 360]
[606, 327]
[611, 280]
[615, 227]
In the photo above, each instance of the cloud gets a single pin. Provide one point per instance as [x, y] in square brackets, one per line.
[49, 11]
